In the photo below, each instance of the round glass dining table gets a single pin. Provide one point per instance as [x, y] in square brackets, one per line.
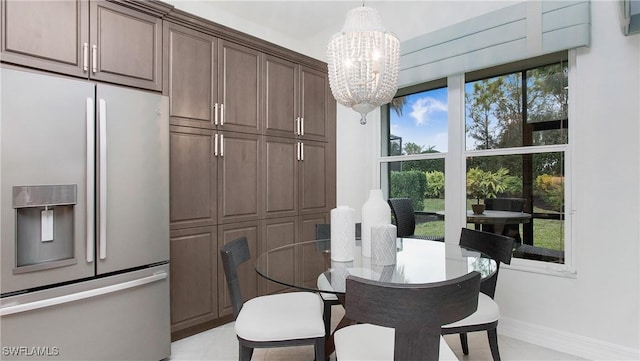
[308, 265]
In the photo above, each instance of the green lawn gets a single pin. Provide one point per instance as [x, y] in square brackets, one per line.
[547, 233]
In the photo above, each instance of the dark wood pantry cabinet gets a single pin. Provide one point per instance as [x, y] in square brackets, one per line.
[252, 154]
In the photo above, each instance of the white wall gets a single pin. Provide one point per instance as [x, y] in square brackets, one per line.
[601, 303]
[596, 314]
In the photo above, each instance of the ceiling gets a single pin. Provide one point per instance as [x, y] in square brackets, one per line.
[303, 24]
[307, 18]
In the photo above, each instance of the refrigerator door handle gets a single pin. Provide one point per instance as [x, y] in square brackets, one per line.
[102, 222]
[90, 179]
[9, 310]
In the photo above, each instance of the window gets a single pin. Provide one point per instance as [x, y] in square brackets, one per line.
[516, 139]
[516, 133]
[415, 137]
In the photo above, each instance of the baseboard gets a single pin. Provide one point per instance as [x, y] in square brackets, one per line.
[566, 342]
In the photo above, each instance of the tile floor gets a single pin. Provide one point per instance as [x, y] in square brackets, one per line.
[220, 344]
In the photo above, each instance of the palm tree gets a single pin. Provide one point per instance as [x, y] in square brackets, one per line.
[397, 104]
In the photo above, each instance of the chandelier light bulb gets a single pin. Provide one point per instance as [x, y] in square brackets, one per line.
[363, 62]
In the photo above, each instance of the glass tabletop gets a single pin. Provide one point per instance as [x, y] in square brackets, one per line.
[308, 265]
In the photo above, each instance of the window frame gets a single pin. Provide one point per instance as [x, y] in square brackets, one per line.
[458, 154]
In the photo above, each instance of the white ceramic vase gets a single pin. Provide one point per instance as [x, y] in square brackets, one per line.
[375, 211]
[343, 233]
[383, 244]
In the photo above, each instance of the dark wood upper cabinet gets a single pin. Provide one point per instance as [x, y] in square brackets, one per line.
[126, 46]
[46, 35]
[239, 88]
[98, 40]
[315, 102]
[296, 100]
[282, 100]
[191, 75]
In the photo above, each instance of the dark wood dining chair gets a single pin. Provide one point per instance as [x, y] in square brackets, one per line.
[486, 318]
[280, 320]
[403, 321]
[405, 219]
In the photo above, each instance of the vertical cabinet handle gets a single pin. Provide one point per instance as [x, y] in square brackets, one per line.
[215, 145]
[90, 118]
[102, 217]
[298, 151]
[222, 145]
[301, 151]
[94, 58]
[297, 131]
[85, 57]
[302, 126]
[215, 113]
[222, 114]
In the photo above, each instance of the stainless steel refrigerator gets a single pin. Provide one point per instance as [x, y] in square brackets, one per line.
[84, 194]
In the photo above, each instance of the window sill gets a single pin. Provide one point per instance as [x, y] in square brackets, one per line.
[540, 267]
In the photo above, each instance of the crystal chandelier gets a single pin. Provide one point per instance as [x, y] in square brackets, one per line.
[363, 62]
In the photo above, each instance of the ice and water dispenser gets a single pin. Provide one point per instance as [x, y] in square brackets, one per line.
[44, 226]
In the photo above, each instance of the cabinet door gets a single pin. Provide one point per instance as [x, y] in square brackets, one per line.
[128, 46]
[309, 267]
[281, 176]
[193, 172]
[239, 88]
[281, 84]
[247, 271]
[239, 177]
[314, 109]
[278, 232]
[194, 277]
[316, 173]
[191, 62]
[47, 35]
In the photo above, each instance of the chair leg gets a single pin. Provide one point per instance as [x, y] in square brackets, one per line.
[464, 343]
[493, 344]
[245, 353]
[319, 346]
[327, 318]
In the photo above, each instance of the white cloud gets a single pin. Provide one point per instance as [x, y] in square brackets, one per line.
[423, 107]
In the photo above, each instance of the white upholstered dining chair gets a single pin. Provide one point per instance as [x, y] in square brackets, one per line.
[279, 320]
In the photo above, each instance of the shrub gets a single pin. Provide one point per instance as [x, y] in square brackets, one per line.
[550, 191]
[435, 184]
[410, 184]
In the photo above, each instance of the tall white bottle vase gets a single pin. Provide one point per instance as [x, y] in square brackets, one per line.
[375, 211]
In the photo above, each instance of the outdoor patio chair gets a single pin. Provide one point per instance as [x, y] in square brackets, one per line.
[405, 219]
[505, 204]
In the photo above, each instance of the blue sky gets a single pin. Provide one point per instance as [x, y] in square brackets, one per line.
[423, 120]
